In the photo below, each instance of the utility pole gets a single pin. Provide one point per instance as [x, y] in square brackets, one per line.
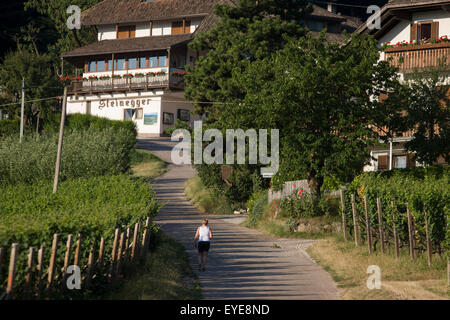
[22, 110]
[60, 142]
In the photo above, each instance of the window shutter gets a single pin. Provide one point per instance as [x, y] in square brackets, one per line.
[434, 30]
[382, 162]
[187, 27]
[177, 27]
[414, 28]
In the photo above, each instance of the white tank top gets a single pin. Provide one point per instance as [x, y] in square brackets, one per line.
[203, 234]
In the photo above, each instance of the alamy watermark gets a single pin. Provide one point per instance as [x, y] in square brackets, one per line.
[74, 20]
[374, 280]
[214, 152]
[374, 21]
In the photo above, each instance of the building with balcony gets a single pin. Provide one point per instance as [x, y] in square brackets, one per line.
[135, 70]
[413, 35]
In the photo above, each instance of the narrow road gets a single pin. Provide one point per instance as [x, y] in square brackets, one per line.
[243, 263]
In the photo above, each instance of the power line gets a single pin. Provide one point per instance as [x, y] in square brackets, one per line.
[15, 103]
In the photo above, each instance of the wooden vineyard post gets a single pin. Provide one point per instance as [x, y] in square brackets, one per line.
[101, 252]
[344, 227]
[145, 239]
[427, 231]
[90, 267]
[2, 253]
[67, 256]
[40, 270]
[113, 254]
[135, 248]
[12, 271]
[78, 251]
[52, 265]
[120, 252]
[410, 234]
[394, 227]
[127, 246]
[380, 224]
[355, 220]
[369, 233]
[29, 274]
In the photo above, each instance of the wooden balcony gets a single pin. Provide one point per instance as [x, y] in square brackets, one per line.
[412, 57]
[81, 87]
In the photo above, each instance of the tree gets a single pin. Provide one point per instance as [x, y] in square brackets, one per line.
[324, 99]
[40, 79]
[428, 115]
[250, 30]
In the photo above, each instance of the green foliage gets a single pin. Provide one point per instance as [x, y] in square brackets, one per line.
[86, 153]
[9, 127]
[40, 79]
[425, 101]
[94, 207]
[424, 189]
[256, 205]
[320, 96]
[302, 205]
[179, 124]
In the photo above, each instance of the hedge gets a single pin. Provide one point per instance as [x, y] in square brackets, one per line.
[424, 189]
[94, 207]
[86, 153]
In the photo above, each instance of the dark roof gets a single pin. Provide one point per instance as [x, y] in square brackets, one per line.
[331, 37]
[140, 44]
[127, 11]
[320, 12]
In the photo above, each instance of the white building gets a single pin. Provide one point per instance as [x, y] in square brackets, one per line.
[136, 68]
[416, 32]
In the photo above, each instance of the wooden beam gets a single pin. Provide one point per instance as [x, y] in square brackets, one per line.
[402, 15]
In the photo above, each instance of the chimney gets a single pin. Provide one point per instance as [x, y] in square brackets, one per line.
[331, 7]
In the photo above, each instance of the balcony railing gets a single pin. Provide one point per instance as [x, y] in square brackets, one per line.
[127, 84]
[412, 57]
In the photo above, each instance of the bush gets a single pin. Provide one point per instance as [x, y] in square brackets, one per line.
[9, 128]
[94, 207]
[85, 153]
[424, 189]
[302, 205]
[256, 205]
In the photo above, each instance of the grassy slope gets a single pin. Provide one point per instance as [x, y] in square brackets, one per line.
[166, 274]
[204, 200]
[146, 164]
[402, 279]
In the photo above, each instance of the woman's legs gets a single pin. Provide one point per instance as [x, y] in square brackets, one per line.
[205, 256]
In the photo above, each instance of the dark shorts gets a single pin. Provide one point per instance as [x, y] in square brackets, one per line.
[203, 246]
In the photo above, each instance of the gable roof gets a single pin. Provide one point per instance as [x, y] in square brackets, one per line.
[396, 10]
[129, 45]
[130, 11]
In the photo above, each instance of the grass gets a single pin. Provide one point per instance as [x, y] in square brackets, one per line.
[165, 276]
[146, 164]
[206, 200]
[402, 279]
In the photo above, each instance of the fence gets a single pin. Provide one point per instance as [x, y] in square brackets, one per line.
[380, 231]
[128, 249]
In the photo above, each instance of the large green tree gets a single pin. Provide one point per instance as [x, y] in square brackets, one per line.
[324, 99]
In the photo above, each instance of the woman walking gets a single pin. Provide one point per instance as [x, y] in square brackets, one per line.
[202, 241]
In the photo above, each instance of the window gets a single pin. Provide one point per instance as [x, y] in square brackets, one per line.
[120, 64]
[314, 25]
[128, 114]
[383, 162]
[142, 62]
[162, 61]
[153, 62]
[92, 66]
[184, 115]
[400, 162]
[168, 118]
[125, 32]
[110, 65]
[100, 66]
[424, 31]
[139, 114]
[180, 27]
[132, 63]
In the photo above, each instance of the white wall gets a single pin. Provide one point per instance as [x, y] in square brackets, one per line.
[402, 31]
[162, 28]
[143, 30]
[101, 105]
[107, 32]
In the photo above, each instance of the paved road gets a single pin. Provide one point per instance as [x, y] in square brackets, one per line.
[243, 263]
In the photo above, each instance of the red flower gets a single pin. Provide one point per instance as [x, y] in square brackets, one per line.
[295, 186]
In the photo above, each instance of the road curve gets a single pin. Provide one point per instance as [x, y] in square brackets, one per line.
[243, 263]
